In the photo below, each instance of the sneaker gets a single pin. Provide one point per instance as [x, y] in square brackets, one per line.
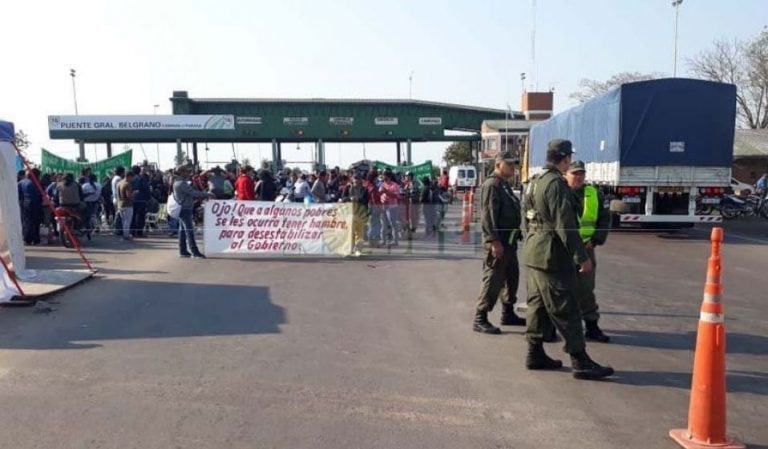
[185, 256]
[199, 256]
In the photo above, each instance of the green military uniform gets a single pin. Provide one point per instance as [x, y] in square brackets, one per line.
[500, 221]
[585, 291]
[552, 250]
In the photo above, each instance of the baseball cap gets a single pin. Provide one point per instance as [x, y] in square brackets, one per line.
[560, 146]
[507, 156]
[577, 166]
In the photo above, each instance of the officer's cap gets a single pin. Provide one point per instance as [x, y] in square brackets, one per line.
[507, 156]
[560, 146]
[577, 166]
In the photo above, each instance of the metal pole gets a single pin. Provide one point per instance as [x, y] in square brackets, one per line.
[410, 86]
[157, 144]
[74, 90]
[676, 4]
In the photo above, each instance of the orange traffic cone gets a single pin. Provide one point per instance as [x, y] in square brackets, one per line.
[706, 415]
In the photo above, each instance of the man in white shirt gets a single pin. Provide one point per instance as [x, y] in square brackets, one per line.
[119, 173]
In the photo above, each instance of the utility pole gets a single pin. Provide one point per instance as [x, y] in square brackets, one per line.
[676, 5]
[72, 73]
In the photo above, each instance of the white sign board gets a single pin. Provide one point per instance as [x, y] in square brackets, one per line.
[139, 122]
[244, 120]
[260, 227]
[295, 120]
[385, 121]
[342, 121]
[430, 121]
[676, 147]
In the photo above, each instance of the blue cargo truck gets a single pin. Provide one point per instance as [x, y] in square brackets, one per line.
[657, 149]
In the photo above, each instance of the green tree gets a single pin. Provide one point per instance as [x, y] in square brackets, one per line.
[458, 153]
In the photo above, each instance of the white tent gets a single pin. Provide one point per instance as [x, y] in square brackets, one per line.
[11, 241]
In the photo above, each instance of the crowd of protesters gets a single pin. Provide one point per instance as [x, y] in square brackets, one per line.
[387, 205]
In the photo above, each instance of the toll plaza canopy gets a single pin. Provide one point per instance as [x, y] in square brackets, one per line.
[283, 120]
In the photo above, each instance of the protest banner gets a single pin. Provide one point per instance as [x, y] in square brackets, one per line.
[103, 168]
[418, 171]
[259, 227]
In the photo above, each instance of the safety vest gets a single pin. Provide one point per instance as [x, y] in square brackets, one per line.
[588, 219]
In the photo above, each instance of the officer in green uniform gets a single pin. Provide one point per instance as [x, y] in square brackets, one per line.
[552, 252]
[594, 224]
[500, 223]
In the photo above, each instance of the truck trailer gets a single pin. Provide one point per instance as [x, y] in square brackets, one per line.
[658, 150]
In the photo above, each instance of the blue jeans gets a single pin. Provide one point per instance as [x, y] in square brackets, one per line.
[187, 233]
[390, 215]
[374, 222]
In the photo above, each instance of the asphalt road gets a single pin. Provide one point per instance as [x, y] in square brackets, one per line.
[377, 352]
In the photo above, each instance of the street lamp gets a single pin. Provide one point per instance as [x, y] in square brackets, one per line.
[676, 5]
[72, 73]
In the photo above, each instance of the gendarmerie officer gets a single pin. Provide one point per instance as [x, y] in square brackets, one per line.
[500, 223]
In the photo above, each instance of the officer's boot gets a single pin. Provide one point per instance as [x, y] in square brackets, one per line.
[587, 369]
[550, 335]
[482, 325]
[509, 317]
[537, 359]
[594, 332]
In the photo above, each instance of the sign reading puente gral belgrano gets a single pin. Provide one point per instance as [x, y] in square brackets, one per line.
[55, 164]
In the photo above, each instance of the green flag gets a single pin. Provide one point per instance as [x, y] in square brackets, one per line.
[103, 168]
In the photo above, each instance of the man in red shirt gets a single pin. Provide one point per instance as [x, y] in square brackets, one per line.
[245, 188]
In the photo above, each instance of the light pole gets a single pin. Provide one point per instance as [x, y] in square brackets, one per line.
[157, 144]
[72, 73]
[410, 86]
[676, 5]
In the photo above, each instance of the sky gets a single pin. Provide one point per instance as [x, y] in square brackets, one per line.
[132, 54]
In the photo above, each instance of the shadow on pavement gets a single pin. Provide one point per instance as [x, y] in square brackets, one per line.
[54, 263]
[163, 310]
[736, 381]
[736, 342]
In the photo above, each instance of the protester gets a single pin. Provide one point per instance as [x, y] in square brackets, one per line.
[301, 189]
[319, 190]
[141, 187]
[374, 207]
[217, 184]
[31, 201]
[390, 196]
[185, 195]
[412, 210]
[430, 196]
[125, 200]
[106, 200]
[266, 188]
[70, 195]
[244, 186]
[357, 194]
[116, 180]
[91, 197]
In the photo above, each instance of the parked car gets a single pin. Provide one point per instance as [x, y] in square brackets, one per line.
[741, 188]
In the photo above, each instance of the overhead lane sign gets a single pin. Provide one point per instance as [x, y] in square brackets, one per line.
[139, 122]
[430, 121]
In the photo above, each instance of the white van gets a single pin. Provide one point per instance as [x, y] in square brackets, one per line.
[462, 177]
